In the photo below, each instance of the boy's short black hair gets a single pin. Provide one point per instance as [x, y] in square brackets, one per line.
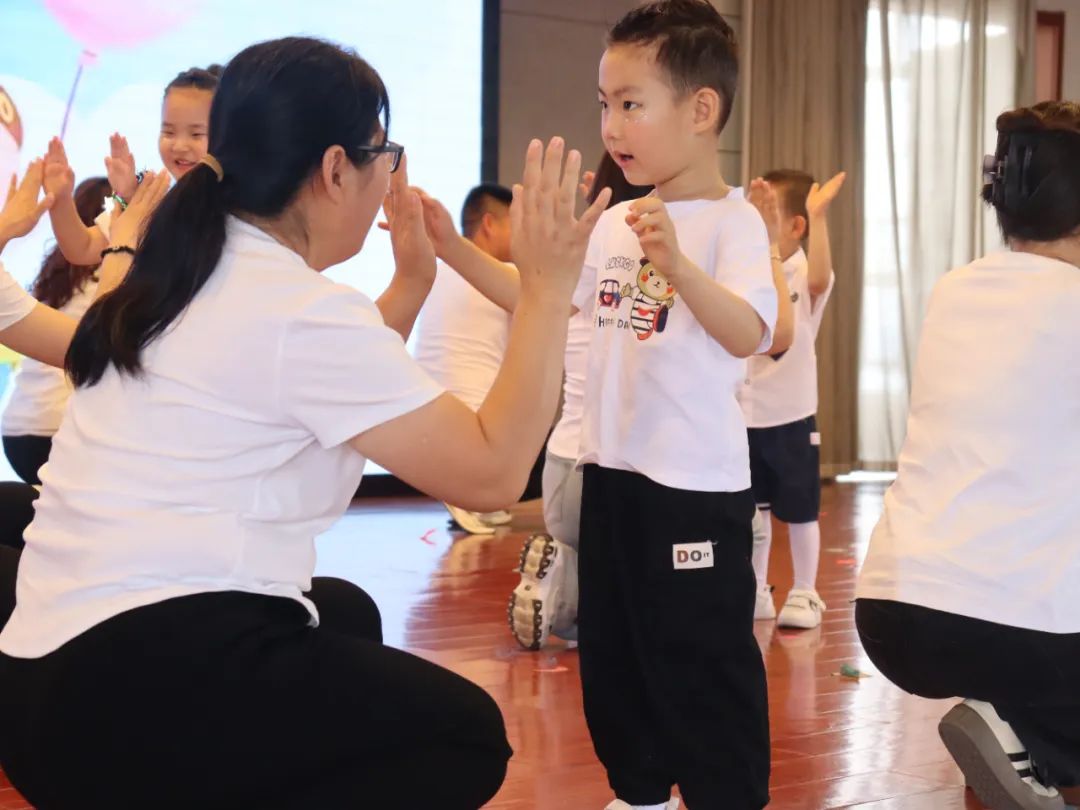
[480, 201]
[693, 43]
[792, 188]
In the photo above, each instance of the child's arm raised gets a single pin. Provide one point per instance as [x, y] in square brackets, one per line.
[763, 197]
[79, 244]
[127, 228]
[497, 281]
[729, 319]
[819, 256]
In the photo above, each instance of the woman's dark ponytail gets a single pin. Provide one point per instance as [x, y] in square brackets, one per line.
[177, 254]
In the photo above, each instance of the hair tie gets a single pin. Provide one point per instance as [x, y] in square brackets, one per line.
[213, 163]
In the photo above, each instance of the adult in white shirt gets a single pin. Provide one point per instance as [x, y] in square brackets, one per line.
[460, 335]
[226, 398]
[40, 391]
[969, 586]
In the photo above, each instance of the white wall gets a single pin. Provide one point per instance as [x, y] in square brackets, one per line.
[549, 55]
[1071, 71]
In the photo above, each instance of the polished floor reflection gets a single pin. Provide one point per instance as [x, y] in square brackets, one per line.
[836, 742]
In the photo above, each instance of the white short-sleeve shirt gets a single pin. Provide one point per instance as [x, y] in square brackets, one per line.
[565, 439]
[41, 391]
[779, 391]
[461, 337]
[983, 519]
[659, 391]
[216, 469]
[15, 302]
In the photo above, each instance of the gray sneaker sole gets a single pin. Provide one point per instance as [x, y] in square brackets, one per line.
[986, 767]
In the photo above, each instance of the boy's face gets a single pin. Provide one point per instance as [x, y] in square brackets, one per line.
[647, 129]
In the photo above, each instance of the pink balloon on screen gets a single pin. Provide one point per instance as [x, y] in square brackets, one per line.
[103, 24]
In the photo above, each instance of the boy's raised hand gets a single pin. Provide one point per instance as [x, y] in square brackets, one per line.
[649, 219]
[23, 209]
[414, 253]
[763, 197]
[820, 197]
[120, 167]
[58, 177]
[548, 242]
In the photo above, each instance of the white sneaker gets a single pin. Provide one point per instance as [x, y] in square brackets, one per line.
[764, 609]
[471, 522]
[619, 804]
[500, 518]
[802, 610]
[545, 600]
[993, 760]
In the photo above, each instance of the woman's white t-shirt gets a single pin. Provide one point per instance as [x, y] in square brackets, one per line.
[659, 390]
[984, 519]
[215, 469]
[15, 302]
[41, 391]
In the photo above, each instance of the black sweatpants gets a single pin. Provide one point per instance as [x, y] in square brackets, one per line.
[230, 700]
[27, 455]
[16, 512]
[673, 679]
[1030, 677]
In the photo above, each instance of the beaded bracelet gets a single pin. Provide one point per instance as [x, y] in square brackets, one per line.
[120, 200]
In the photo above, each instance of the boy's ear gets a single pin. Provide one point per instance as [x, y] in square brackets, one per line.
[801, 227]
[708, 106]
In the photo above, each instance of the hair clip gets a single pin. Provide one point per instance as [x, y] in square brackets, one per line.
[993, 169]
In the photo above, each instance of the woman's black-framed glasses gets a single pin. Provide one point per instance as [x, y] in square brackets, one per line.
[393, 150]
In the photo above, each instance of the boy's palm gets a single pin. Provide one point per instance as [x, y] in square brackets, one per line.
[763, 197]
[820, 197]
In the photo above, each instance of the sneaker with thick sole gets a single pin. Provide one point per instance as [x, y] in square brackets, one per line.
[764, 607]
[993, 760]
[470, 522]
[801, 611]
[619, 804]
[545, 600]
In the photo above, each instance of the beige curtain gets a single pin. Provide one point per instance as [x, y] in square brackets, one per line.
[938, 74]
[807, 84]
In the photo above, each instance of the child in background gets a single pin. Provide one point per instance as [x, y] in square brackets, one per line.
[185, 122]
[41, 391]
[779, 401]
[680, 284]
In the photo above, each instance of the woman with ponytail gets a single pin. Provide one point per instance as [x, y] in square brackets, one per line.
[969, 587]
[169, 647]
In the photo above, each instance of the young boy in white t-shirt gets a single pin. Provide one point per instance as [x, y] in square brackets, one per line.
[681, 291]
[779, 401]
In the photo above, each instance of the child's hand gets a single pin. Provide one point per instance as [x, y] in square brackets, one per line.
[820, 197]
[128, 225]
[58, 178]
[438, 222]
[649, 219]
[547, 241]
[22, 210]
[414, 254]
[120, 167]
[587, 181]
[763, 197]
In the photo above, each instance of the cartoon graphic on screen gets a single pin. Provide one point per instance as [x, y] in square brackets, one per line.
[654, 297]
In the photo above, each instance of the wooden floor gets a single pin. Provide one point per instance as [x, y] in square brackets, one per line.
[836, 742]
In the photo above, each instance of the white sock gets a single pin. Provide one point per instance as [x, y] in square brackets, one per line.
[805, 551]
[762, 546]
